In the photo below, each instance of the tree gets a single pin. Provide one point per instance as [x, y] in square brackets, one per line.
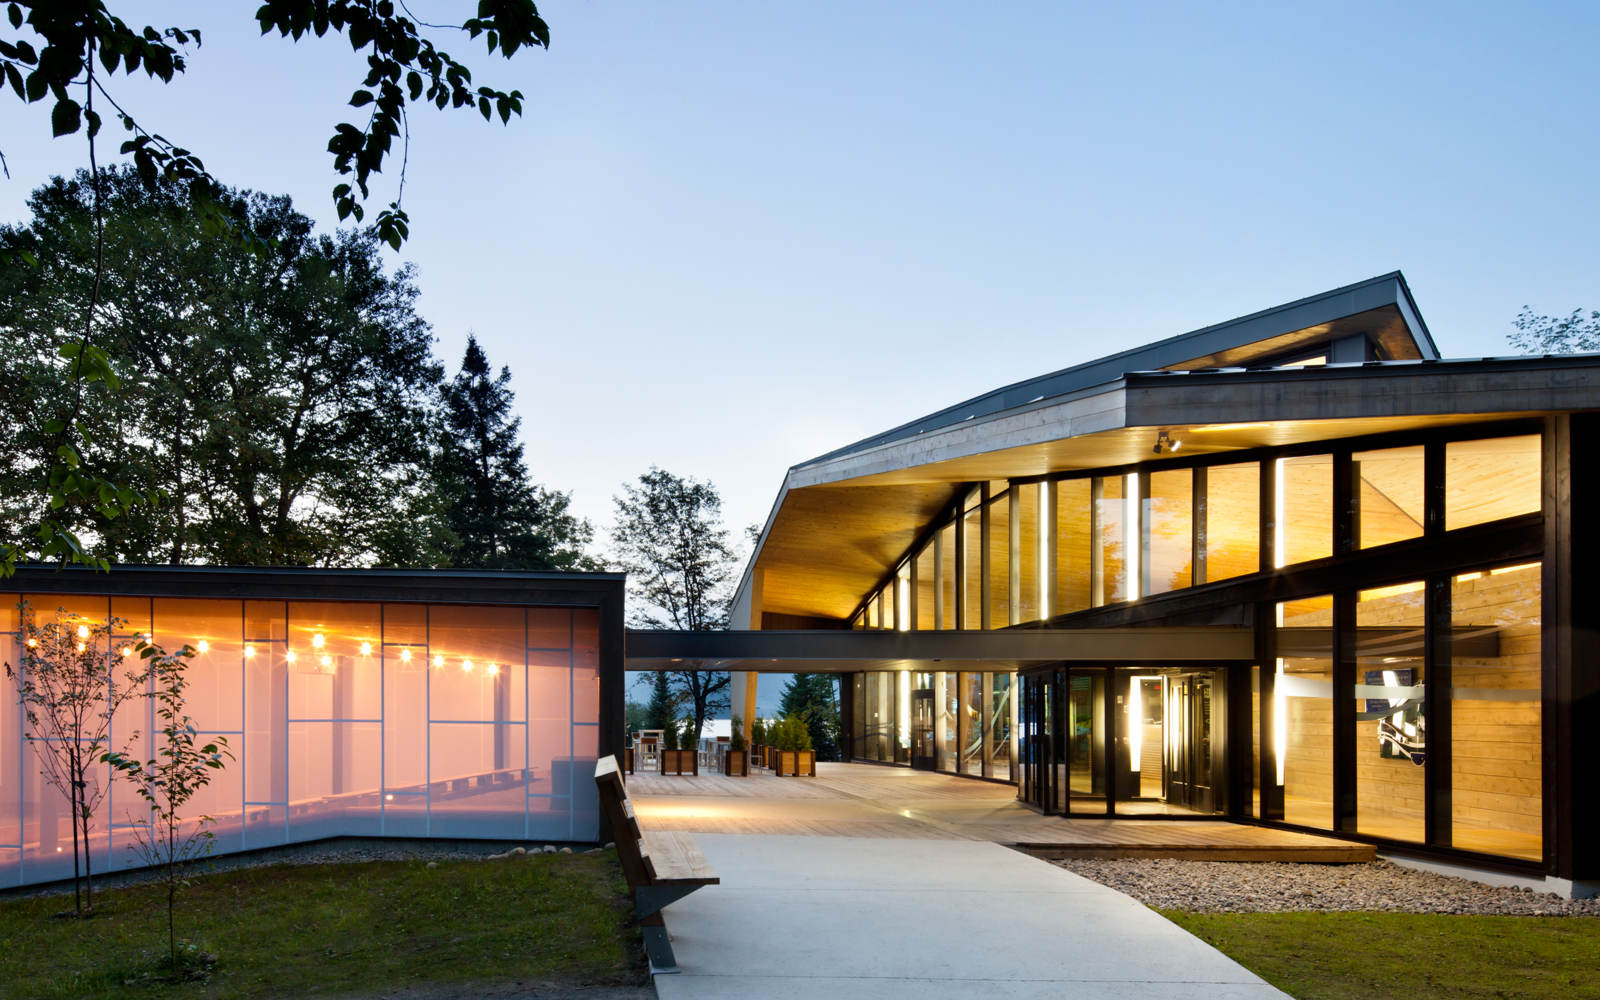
[663, 705]
[814, 699]
[182, 765]
[275, 393]
[58, 53]
[498, 517]
[1572, 334]
[670, 540]
[68, 682]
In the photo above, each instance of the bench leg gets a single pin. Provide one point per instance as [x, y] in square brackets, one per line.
[658, 945]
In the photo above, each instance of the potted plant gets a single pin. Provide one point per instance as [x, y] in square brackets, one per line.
[758, 742]
[735, 760]
[674, 759]
[794, 756]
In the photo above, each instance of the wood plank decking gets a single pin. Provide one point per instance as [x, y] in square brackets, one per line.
[863, 800]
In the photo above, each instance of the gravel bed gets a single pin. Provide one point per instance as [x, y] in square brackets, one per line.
[1277, 887]
[327, 852]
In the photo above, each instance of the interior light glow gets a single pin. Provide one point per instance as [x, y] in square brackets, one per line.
[317, 640]
[81, 647]
[466, 665]
[1215, 428]
[203, 646]
[249, 652]
[438, 661]
[389, 797]
[1045, 526]
[1135, 722]
[366, 649]
[405, 656]
[83, 631]
[1279, 557]
[494, 670]
[127, 651]
[32, 643]
[1513, 569]
[290, 656]
[902, 603]
[1130, 532]
[904, 701]
[326, 660]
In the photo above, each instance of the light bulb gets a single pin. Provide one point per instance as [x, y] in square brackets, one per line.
[249, 652]
[81, 647]
[83, 631]
[366, 649]
[127, 651]
[317, 640]
[203, 646]
[289, 656]
[466, 665]
[326, 660]
[405, 656]
[32, 643]
[494, 670]
[438, 660]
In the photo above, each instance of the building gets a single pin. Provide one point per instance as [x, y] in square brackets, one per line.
[355, 703]
[1290, 569]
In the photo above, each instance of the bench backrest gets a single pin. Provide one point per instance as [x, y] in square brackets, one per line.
[625, 833]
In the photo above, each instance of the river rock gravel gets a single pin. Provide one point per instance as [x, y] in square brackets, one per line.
[1275, 887]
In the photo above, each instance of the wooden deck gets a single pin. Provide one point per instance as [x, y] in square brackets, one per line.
[864, 800]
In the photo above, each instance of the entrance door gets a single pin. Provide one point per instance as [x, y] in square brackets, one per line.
[924, 751]
[1189, 763]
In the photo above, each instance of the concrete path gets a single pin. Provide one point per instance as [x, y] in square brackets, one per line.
[843, 917]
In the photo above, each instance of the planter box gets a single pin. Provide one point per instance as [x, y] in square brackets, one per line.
[736, 763]
[679, 761]
[794, 763]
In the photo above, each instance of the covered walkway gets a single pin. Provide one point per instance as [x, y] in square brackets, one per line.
[867, 800]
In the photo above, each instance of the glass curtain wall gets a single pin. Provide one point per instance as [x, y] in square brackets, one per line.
[345, 719]
[972, 723]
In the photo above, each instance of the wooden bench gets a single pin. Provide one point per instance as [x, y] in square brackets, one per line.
[661, 867]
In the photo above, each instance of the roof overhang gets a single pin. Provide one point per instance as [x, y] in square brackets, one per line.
[843, 651]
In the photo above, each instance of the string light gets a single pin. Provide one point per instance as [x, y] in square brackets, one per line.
[317, 640]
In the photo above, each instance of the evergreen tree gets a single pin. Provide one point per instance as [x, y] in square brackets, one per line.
[815, 699]
[499, 517]
[662, 708]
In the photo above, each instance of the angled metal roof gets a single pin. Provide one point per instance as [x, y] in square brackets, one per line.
[1388, 291]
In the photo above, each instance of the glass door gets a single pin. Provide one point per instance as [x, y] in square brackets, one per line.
[924, 749]
[1189, 742]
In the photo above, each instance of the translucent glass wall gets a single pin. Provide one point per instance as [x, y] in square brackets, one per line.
[346, 718]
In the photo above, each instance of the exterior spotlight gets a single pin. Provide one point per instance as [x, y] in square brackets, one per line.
[1166, 443]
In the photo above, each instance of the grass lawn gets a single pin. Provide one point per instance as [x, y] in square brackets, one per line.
[336, 929]
[1334, 956]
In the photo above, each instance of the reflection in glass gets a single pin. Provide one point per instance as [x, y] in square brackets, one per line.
[1169, 531]
[1303, 711]
[1496, 750]
[1391, 728]
[1304, 515]
[1073, 522]
[1490, 479]
[1388, 495]
[1231, 543]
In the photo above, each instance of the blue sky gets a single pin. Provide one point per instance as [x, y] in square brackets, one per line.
[726, 238]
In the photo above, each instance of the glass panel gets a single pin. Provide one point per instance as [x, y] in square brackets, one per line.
[927, 592]
[947, 696]
[1232, 539]
[215, 693]
[1490, 479]
[947, 576]
[1496, 753]
[1391, 732]
[1000, 561]
[1169, 531]
[1388, 495]
[1303, 710]
[972, 572]
[1073, 519]
[901, 591]
[1029, 554]
[858, 716]
[998, 745]
[1109, 561]
[1086, 741]
[1304, 517]
[972, 723]
[479, 780]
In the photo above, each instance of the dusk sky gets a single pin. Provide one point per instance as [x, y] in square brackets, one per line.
[726, 238]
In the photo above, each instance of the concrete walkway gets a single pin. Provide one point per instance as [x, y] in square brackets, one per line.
[844, 917]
